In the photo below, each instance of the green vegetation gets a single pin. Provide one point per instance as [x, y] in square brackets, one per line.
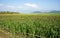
[7, 12]
[45, 26]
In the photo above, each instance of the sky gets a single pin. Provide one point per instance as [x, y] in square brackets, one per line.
[26, 6]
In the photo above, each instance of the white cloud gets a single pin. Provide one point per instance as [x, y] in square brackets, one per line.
[26, 6]
[14, 7]
[31, 5]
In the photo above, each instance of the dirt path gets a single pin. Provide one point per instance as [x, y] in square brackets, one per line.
[4, 35]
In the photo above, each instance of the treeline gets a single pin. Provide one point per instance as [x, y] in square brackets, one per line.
[7, 12]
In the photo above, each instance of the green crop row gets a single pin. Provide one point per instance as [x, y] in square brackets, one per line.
[44, 26]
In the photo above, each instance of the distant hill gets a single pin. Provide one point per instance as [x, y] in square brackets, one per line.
[54, 11]
[9, 12]
[37, 12]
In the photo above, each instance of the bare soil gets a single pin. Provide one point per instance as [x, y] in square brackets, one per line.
[4, 35]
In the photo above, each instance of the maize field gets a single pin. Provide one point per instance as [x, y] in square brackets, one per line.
[30, 26]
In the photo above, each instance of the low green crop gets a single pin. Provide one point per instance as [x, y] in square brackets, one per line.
[41, 25]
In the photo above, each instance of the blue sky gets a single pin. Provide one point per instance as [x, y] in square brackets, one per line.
[29, 5]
